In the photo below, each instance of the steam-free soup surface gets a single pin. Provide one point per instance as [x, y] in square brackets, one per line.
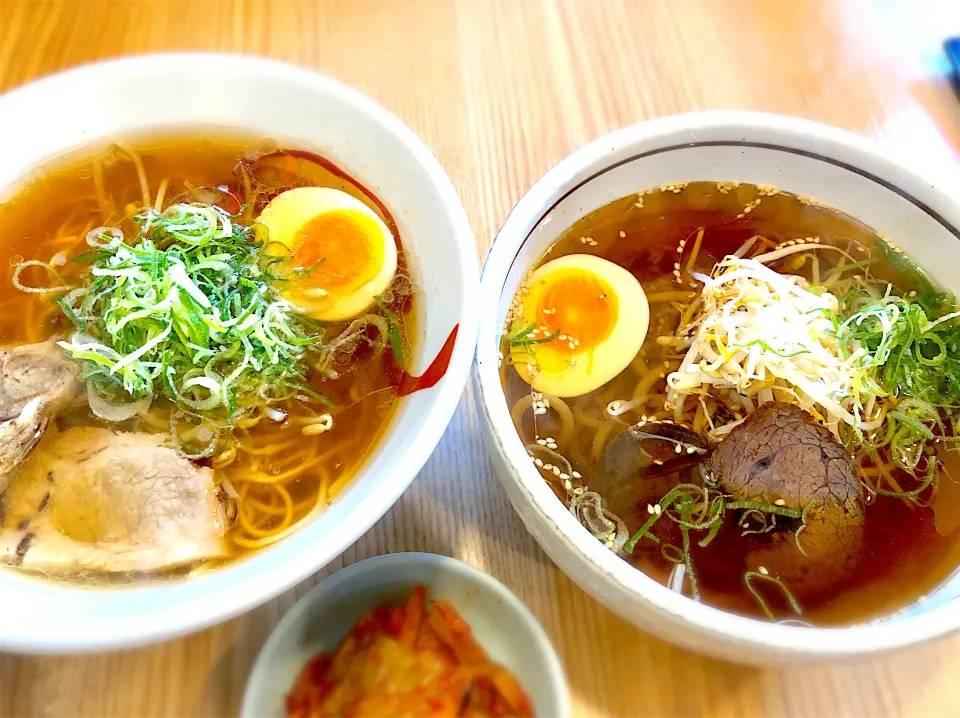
[666, 461]
[276, 331]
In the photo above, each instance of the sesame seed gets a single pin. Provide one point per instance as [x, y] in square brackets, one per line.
[779, 502]
[764, 571]
[622, 233]
[650, 509]
[576, 475]
[657, 509]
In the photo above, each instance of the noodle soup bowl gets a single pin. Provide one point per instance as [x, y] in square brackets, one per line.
[836, 168]
[285, 104]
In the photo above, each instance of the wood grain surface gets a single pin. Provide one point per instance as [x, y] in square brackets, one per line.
[500, 91]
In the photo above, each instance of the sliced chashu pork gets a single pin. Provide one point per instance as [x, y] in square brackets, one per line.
[92, 501]
[35, 371]
[36, 381]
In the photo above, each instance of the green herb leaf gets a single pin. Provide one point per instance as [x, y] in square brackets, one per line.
[395, 331]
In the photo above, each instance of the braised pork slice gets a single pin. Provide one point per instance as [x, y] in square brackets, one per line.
[18, 436]
[36, 381]
[35, 371]
[92, 501]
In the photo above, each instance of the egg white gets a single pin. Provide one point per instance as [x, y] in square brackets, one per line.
[289, 211]
[591, 368]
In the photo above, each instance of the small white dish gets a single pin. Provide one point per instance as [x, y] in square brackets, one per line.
[835, 167]
[287, 104]
[502, 625]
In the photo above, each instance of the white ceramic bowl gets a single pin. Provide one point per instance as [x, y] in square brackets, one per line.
[502, 625]
[836, 167]
[99, 102]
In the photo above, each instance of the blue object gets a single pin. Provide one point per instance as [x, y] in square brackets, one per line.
[952, 48]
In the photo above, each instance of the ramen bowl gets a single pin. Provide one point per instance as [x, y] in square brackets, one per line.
[830, 166]
[503, 627]
[268, 99]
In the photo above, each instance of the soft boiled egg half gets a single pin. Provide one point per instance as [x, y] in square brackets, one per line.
[343, 255]
[581, 321]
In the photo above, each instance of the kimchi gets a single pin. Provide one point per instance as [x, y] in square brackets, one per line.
[417, 659]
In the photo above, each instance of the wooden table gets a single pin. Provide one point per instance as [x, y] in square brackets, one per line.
[500, 91]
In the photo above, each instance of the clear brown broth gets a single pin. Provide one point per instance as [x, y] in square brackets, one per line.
[52, 211]
[902, 558]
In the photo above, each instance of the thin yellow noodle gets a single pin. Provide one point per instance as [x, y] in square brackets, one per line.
[895, 486]
[639, 364]
[262, 478]
[314, 419]
[161, 193]
[106, 210]
[247, 193]
[224, 458]
[355, 393]
[246, 502]
[662, 297]
[688, 313]
[600, 438]
[699, 419]
[645, 385]
[695, 252]
[248, 422]
[248, 525]
[267, 540]
[153, 419]
[567, 424]
[269, 448]
[141, 172]
[277, 510]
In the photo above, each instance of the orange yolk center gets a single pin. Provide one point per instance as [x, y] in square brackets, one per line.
[340, 251]
[580, 306]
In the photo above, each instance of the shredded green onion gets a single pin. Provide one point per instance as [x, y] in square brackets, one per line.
[187, 310]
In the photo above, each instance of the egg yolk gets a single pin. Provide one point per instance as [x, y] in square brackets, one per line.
[341, 251]
[578, 305]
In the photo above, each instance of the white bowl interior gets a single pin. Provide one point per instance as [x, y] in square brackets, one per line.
[284, 103]
[502, 625]
[828, 165]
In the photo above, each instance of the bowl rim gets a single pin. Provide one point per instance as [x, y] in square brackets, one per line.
[243, 585]
[601, 565]
[445, 564]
